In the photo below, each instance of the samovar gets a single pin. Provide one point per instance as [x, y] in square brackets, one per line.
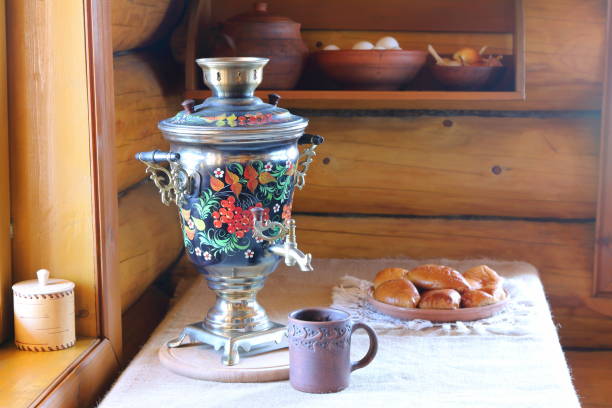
[231, 170]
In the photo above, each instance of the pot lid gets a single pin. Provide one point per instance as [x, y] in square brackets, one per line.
[232, 113]
[43, 285]
[259, 14]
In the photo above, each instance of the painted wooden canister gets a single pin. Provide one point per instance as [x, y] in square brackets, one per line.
[44, 313]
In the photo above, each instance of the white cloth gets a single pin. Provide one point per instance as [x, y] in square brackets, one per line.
[411, 369]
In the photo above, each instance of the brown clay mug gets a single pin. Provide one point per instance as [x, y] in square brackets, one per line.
[319, 349]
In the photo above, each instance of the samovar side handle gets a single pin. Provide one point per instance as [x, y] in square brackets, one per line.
[173, 184]
[306, 157]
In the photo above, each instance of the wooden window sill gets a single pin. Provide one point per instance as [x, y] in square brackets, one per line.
[27, 376]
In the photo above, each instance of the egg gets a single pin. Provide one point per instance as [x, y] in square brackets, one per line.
[331, 47]
[378, 48]
[388, 43]
[363, 45]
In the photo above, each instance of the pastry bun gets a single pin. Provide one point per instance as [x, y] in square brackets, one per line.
[476, 298]
[440, 299]
[498, 293]
[484, 277]
[388, 274]
[438, 277]
[398, 292]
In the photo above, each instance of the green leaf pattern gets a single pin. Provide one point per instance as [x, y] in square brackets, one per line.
[207, 244]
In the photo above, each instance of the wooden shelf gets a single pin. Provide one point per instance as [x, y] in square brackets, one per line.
[501, 21]
[380, 99]
[27, 374]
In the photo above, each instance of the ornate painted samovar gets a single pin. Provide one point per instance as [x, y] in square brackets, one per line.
[231, 170]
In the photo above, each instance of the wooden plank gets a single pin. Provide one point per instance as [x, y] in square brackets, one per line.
[141, 319]
[27, 374]
[592, 373]
[102, 130]
[150, 240]
[84, 385]
[432, 15]
[444, 42]
[136, 24]
[602, 282]
[424, 165]
[562, 252]
[5, 216]
[332, 99]
[146, 91]
[51, 164]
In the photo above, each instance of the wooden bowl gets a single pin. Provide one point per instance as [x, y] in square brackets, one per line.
[436, 315]
[371, 69]
[467, 77]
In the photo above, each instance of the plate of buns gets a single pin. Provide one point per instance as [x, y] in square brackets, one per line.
[438, 293]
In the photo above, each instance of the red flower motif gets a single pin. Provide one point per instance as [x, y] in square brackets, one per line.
[287, 211]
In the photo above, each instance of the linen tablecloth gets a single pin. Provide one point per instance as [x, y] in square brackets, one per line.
[412, 368]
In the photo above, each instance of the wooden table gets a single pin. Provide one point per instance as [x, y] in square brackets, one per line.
[412, 368]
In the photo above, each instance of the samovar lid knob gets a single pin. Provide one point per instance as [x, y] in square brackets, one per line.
[273, 99]
[188, 105]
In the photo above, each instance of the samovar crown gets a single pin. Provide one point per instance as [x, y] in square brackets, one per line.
[232, 77]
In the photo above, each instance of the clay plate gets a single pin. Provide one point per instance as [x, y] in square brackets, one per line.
[435, 315]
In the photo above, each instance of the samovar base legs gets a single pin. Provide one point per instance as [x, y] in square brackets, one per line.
[251, 343]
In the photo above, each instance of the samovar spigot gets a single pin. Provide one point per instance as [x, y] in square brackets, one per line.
[289, 248]
[290, 251]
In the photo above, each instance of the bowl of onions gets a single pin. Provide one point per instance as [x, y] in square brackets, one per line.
[467, 70]
[367, 66]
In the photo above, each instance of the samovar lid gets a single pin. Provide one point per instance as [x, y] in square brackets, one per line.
[232, 114]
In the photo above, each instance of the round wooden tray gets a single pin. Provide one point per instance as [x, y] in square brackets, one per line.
[203, 363]
[435, 315]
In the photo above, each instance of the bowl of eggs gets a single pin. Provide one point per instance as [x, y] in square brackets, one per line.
[467, 69]
[367, 66]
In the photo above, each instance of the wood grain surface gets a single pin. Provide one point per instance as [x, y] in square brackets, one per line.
[429, 165]
[602, 285]
[592, 373]
[139, 23]
[141, 318]
[26, 375]
[562, 252]
[444, 42]
[5, 215]
[102, 120]
[82, 386]
[51, 164]
[433, 15]
[150, 240]
[147, 90]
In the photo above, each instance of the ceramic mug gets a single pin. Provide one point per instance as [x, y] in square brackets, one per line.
[319, 349]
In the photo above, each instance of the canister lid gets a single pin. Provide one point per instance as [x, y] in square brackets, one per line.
[259, 14]
[43, 285]
[232, 113]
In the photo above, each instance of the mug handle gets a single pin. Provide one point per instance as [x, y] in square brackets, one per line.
[367, 359]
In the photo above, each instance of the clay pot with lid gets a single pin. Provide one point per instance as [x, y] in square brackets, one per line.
[260, 34]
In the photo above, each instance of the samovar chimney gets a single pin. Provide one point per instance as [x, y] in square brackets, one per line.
[232, 77]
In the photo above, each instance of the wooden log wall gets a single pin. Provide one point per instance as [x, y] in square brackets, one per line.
[516, 185]
[513, 180]
[148, 86]
[138, 23]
